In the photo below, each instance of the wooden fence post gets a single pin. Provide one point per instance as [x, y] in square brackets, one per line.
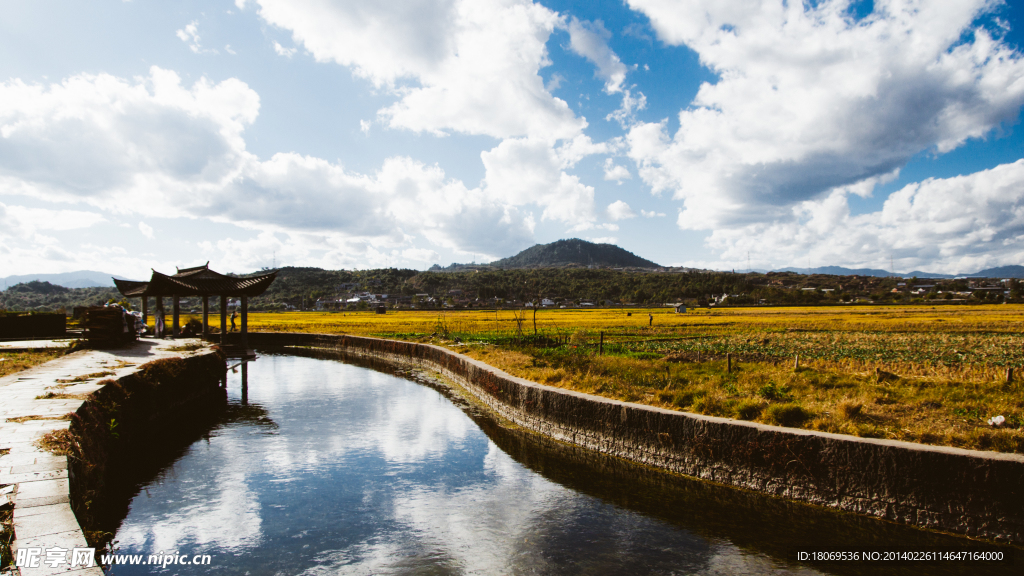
[1009, 375]
[796, 363]
[728, 362]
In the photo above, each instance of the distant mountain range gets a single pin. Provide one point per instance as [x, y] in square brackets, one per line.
[574, 252]
[571, 252]
[998, 272]
[79, 279]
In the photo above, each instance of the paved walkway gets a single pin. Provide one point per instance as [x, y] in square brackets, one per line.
[42, 511]
[22, 345]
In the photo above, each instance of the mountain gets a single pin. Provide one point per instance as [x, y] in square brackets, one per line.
[839, 271]
[79, 279]
[574, 251]
[999, 272]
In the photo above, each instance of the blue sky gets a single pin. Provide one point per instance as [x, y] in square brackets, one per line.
[343, 135]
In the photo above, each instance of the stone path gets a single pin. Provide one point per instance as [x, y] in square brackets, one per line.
[22, 345]
[42, 510]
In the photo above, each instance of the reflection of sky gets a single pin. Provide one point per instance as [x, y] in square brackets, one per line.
[367, 473]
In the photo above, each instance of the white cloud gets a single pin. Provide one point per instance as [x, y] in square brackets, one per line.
[157, 149]
[809, 99]
[125, 146]
[524, 171]
[590, 40]
[625, 115]
[420, 255]
[468, 66]
[30, 220]
[952, 225]
[651, 214]
[282, 51]
[146, 230]
[615, 172]
[555, 82]
[190, 35]
[619, 210]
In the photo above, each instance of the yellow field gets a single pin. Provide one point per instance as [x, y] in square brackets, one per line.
[943, 369]
[1007, 319]
[965, 342]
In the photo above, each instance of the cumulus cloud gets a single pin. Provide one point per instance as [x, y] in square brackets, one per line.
[146, 230]
[651, 213]
[625, 114]
[615, 172]
[112, 141]
[590, 40]
[467, 66]
[952, 225]
[158, 149]
[528, 171]
[808, 99]
[619, 210]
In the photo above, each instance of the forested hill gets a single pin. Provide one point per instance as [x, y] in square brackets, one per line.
[574, 252]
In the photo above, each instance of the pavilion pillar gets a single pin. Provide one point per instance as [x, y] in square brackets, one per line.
[159, 318]
[245, 324]
[223, 320]
[206, 317]
[177, 312]
[145, 312]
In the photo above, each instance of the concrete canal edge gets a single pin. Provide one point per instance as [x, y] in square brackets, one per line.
[53, 492]
[974, 493]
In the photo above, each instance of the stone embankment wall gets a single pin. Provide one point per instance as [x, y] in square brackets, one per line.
[978, 494]
[160, 398]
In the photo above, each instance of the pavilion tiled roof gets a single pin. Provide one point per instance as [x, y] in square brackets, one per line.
[197, 281]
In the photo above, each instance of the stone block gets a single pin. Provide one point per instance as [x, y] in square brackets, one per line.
[58, 520]
[22, 511]
[42, 489]
[43, 501]
[32, 476]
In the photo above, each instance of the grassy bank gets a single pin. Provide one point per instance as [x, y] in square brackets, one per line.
[926, 374]
[11, 362]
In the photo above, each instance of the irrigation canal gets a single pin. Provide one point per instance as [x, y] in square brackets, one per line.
[325, 466]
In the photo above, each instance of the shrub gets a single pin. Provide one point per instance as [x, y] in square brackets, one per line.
[748, 409]
[710, 404]
[850, 409]
[772, 392]
[789, 414]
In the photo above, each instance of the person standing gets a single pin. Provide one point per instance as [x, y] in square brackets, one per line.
[650, 319]
[234, 314]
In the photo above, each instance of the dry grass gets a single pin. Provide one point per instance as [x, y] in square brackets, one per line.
[6, 536]
[1002, 318]
[930, 411]
[13, 362]
[21, 419]
[58, 442]
[84, 377]
[918, 373]
[61, 396]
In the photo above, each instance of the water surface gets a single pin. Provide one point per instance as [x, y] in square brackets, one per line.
[324, 467]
